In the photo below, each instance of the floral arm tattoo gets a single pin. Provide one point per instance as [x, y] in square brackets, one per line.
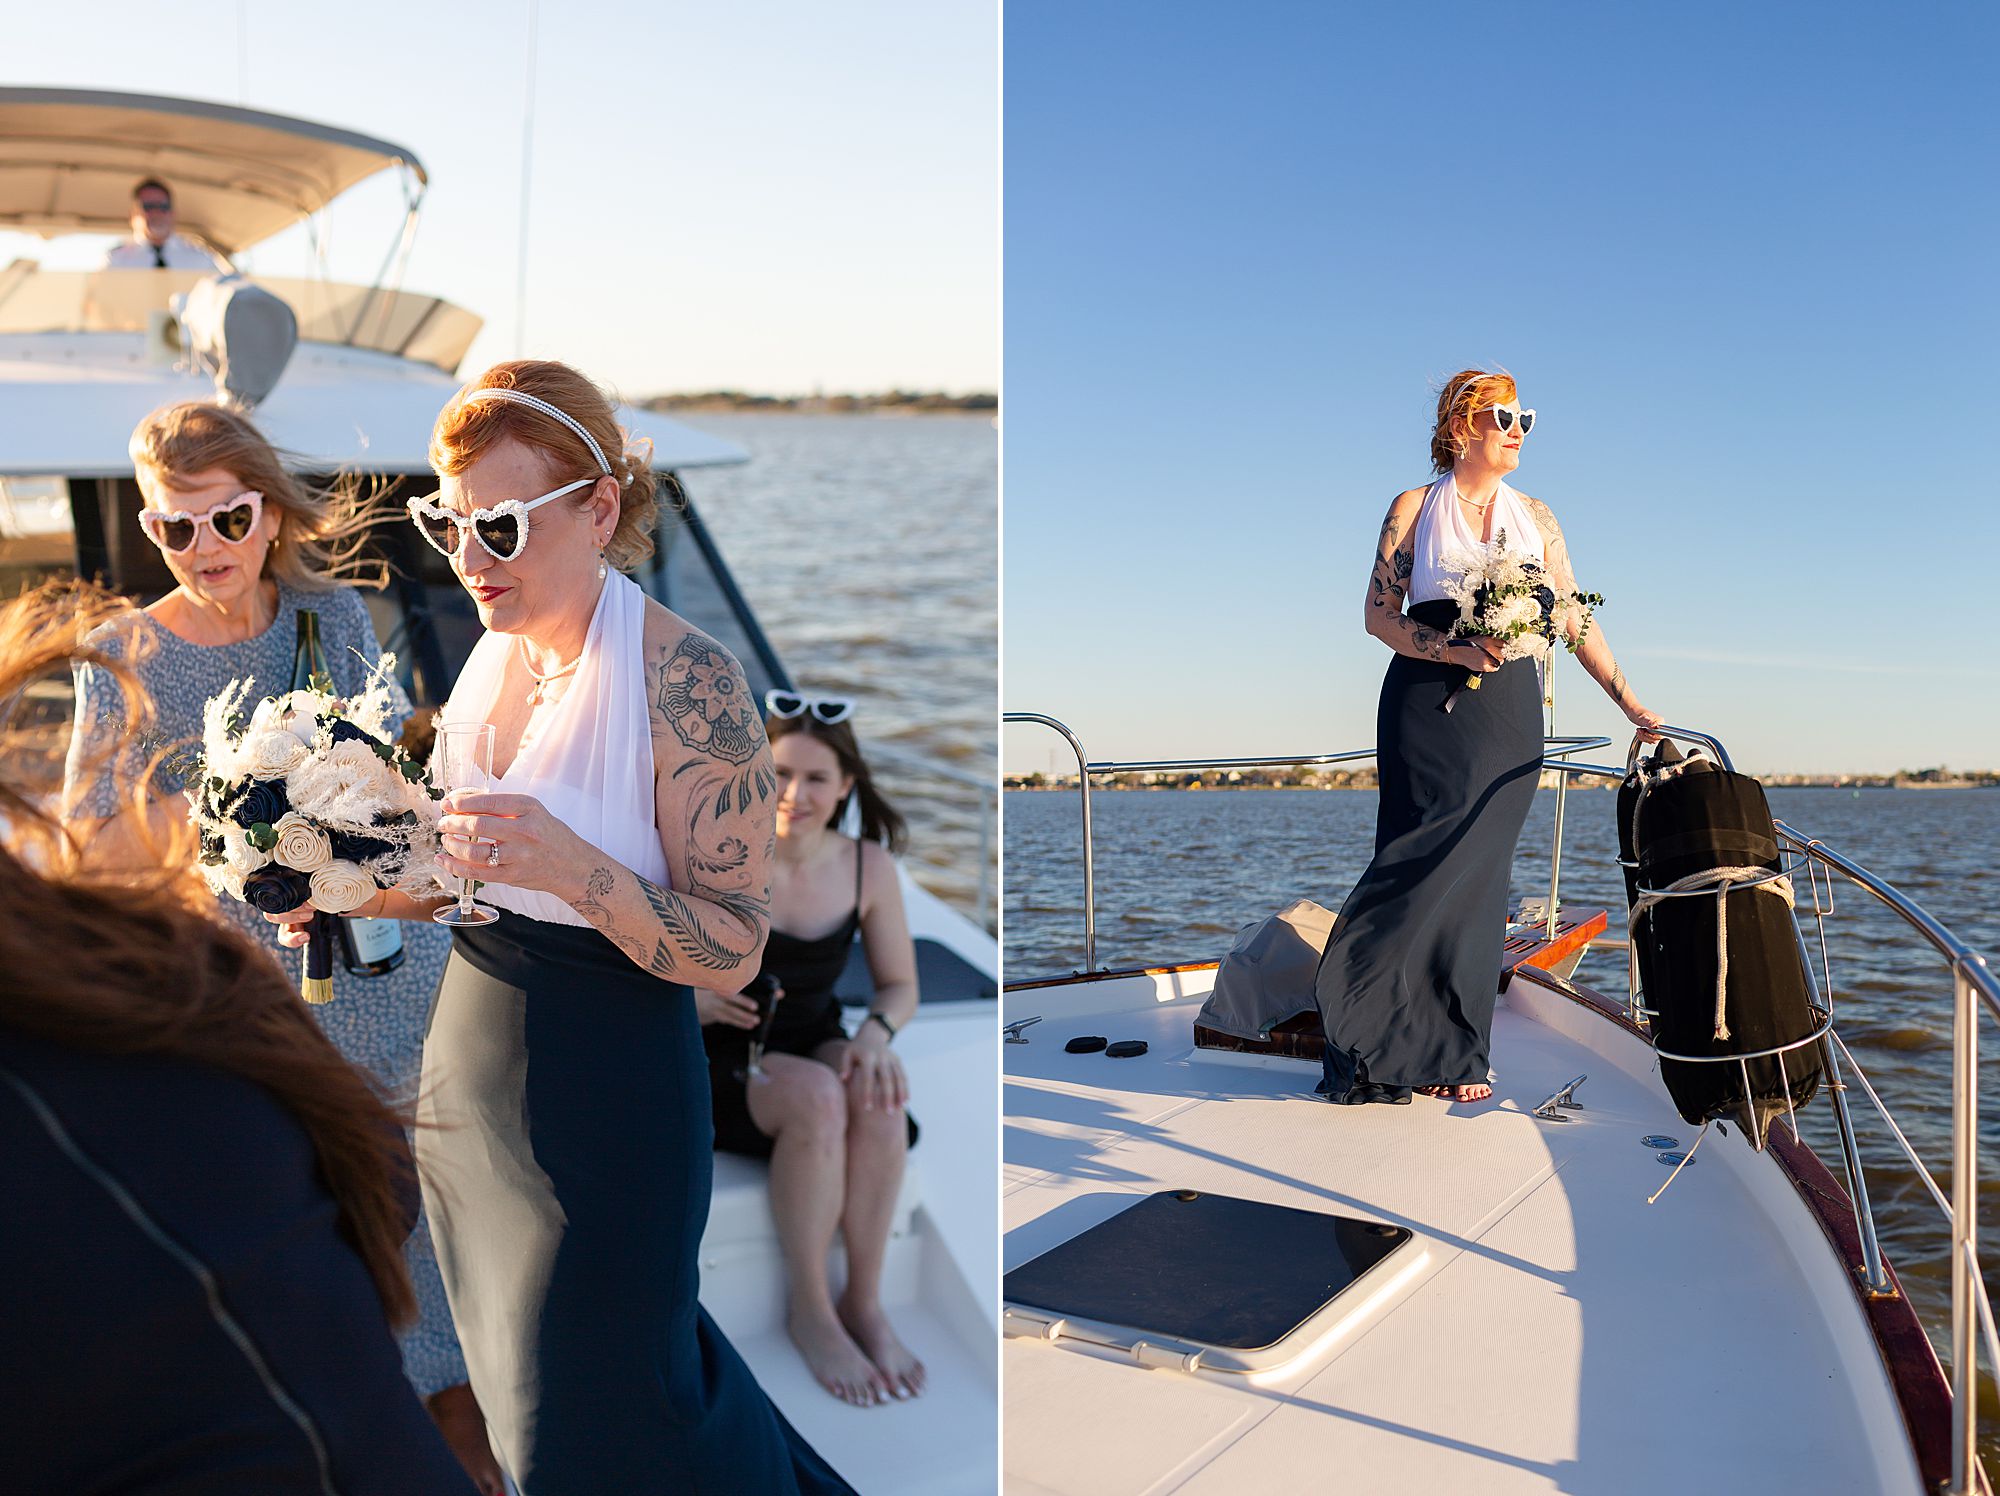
[1594, 654]
[1389, 588]
[717, 796]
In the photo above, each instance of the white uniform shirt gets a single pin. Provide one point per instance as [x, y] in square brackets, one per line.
[181, 254]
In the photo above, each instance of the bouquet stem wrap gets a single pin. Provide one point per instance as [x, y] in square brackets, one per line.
[316, 969]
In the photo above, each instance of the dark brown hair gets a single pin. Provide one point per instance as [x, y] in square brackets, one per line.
[880, 821]
[141, 971]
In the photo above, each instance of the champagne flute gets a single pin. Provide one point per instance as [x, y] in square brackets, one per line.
[464, 757]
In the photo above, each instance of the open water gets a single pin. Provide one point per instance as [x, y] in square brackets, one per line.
[1178, 873]
[868, 547]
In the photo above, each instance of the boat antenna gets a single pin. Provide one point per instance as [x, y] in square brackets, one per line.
[527, 166]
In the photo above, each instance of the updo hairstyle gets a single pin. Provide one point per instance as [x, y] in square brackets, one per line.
[465, 430]
[1464, 394]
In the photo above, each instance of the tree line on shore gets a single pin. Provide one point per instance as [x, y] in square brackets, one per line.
[1298, 778]
[899, 402]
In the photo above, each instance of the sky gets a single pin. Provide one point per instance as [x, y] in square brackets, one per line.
[1740, 259]
[779, 197]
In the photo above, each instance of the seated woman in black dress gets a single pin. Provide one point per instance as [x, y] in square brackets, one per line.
[829, 1111]
[206, 1204]
[1407, 983]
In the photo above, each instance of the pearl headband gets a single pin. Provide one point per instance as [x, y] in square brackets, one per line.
[535, 402]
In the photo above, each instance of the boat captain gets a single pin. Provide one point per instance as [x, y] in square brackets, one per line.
[154, 245]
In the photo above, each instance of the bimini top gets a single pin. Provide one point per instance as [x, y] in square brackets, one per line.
[69, 157]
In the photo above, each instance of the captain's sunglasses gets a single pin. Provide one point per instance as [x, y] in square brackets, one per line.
[501, 531]
[232, 523]
[1504, 418]
[786, 705]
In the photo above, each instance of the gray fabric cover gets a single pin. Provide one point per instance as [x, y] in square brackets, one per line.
[1267, 976]
[242, 334]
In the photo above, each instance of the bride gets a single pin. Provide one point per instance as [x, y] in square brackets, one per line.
[627, 839]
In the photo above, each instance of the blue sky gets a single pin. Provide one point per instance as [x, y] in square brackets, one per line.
[1740, 258]
[778, 197]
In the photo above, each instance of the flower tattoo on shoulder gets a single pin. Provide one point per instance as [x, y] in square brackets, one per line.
[704, 697]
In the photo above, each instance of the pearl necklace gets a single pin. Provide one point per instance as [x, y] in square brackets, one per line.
[536, 695]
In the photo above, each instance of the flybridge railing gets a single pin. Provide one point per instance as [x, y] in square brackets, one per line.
[1973, 985]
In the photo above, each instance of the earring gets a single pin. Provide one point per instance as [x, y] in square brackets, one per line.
[600, 566]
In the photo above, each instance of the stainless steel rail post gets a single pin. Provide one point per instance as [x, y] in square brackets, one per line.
[1874, 1276]
[1964, 1232]
[1089, 861]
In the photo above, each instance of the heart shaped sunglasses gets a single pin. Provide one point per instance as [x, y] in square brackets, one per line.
[231, 523]
[785, 705]
[1505, 416]
[501, 531]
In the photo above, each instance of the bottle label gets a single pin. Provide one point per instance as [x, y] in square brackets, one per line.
[375, 939]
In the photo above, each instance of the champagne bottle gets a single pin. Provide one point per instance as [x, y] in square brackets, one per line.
[371, 947]
[309, 668]
[368, 947]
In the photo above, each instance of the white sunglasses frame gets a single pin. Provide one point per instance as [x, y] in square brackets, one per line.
[843, 706]
[1525, 419]
[462, 525]
[150, 521]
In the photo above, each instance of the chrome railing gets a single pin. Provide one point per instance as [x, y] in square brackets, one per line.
[1972, 984]
[1086, 770]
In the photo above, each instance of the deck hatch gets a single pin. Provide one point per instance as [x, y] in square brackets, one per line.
[1251, 1284]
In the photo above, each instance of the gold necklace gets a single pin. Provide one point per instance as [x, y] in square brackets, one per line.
[536, 694]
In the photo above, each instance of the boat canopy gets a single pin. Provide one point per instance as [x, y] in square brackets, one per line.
[69, 158]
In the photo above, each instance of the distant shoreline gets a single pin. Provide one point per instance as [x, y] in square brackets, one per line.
[893, 402]
[1364, 779]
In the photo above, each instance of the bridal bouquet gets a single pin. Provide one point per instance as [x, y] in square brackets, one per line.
[306, 801]
[1507, 596]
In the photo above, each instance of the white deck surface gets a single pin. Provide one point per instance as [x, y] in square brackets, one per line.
[937, 1284]
[1564, 1335]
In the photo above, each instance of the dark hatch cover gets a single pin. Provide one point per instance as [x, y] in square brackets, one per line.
[1208, 1269]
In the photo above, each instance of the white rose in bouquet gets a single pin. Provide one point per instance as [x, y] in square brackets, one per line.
[302, 846]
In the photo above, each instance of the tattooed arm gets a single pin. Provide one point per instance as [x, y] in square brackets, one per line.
[1389, 587]
[1595, 653]
[715, 796]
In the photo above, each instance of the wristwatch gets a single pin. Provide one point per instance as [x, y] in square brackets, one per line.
[887, 1027]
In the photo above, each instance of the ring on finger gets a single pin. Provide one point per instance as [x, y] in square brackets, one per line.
[493, 855]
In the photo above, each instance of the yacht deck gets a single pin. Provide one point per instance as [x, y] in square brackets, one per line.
[1561, 1333]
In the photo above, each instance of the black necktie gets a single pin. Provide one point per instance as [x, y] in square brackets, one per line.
[160, 256]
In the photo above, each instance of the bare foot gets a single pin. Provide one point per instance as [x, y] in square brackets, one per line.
[1442, 1093]
[901, 1371]
[837, 1363]
[1477, 1090]
[456, 1413]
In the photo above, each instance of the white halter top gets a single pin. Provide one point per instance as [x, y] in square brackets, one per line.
[587, 756]
[1443, 539]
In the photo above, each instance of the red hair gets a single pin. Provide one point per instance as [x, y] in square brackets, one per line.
[1464, 395]
[466, 430]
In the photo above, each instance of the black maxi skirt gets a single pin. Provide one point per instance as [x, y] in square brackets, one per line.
[1407, 983]
[567, 1168]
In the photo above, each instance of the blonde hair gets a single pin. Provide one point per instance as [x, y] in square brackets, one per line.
[465, 430]
[320, 534]
[1465, 394]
